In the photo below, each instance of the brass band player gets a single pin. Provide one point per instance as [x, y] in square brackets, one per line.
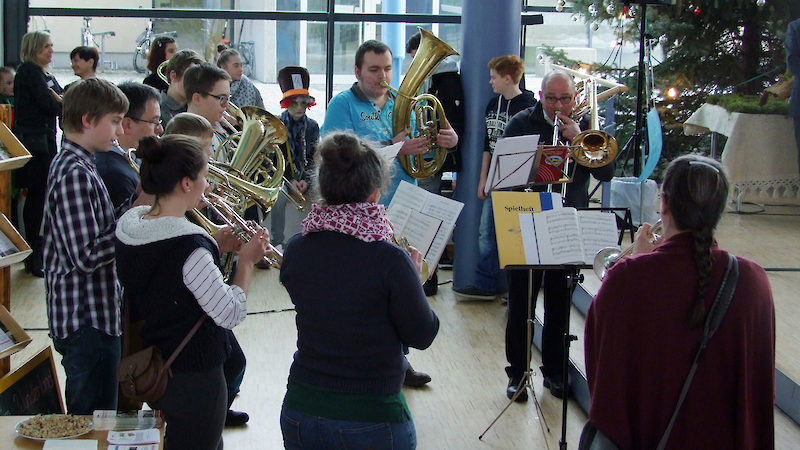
[557, 99]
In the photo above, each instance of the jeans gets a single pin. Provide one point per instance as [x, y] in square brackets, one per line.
[304, 431]
[489, 277]
[90, 359]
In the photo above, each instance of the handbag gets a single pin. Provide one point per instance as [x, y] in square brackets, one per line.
[143, 375]
[594, 439]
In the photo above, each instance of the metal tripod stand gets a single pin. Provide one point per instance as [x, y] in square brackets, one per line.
[526, 382]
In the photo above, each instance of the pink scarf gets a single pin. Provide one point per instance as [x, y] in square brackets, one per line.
[363, 221]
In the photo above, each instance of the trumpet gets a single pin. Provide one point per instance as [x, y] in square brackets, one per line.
[241, 228]
[605, 259]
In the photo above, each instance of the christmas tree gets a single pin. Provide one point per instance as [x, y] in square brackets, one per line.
[709, 47]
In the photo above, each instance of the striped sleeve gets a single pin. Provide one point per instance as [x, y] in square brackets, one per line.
[225, 304]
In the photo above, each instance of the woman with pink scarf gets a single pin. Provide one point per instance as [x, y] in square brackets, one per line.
[359, 301]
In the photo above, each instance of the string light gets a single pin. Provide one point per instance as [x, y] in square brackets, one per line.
[672, 92]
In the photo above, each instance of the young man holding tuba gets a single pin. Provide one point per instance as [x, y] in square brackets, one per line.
[366, 109]
[556, 103]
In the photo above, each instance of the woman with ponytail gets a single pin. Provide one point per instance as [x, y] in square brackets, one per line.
[359, 301]
[644, 326]
[169, 269]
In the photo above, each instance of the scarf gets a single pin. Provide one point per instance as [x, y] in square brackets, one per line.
[364, 221]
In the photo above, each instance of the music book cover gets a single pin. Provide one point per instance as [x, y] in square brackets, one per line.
[507, 207]
[566, 236]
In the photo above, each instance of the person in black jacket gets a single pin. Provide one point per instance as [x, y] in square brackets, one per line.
[557, 100]
[162, 49]
[38, 103]
[444, 84]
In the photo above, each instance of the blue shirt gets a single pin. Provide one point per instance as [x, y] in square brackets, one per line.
[352, 111]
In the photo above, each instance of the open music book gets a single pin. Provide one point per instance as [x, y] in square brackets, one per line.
[566, 235]
[425, 219]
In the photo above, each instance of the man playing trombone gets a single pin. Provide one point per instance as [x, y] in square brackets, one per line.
[556, 103]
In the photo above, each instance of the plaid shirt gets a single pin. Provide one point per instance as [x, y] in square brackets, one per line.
[80, 274]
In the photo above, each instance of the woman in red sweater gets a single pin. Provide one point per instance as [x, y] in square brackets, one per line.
[644, 326]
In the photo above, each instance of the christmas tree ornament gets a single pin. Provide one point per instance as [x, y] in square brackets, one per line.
[610, 9]
[593, 9]
[761, 2]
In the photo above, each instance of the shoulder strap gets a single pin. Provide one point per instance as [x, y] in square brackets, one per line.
[183, 343]
[714, 318]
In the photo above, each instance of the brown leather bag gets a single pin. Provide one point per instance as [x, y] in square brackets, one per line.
[143, 375]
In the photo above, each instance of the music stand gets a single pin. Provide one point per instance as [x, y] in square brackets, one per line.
[547, 166]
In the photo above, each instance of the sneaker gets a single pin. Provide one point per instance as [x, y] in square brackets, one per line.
[416, 379]
[473, 293]
[511, 390]
[236, 418]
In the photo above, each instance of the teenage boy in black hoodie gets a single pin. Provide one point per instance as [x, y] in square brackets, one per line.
[505, 72]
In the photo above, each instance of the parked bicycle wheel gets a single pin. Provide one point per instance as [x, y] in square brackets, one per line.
[140, 55]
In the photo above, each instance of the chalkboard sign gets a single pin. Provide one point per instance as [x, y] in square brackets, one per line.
[32, 388]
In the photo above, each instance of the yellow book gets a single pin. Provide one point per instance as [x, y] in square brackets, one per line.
[507, 206]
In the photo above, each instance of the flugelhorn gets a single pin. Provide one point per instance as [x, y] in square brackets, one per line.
[424, 270]
[241, 229]
[430, 117]
[605, 259]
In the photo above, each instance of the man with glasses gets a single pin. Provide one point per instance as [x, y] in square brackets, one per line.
[557, 101]
[208, 91]
[142, 119]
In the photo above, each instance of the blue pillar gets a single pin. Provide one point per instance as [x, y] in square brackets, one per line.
[394, 35]
[489, 29]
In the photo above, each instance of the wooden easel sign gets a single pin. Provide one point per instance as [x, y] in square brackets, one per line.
[32, 388]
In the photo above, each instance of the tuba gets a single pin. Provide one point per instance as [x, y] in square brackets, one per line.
[427, 108]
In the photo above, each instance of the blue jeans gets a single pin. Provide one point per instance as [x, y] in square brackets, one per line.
[488, 276]
[304, 431]
[90, 359]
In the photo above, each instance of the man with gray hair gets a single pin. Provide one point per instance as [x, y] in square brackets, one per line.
[556, 105]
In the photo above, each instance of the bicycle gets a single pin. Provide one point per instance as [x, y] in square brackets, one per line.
[88, 40]
[143, 43]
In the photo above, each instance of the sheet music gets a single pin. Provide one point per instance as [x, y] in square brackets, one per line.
[598, 231]
[429, 214]
[557, 235]
[511, 162]
[420, 230]
[529, 244]
[390, 151]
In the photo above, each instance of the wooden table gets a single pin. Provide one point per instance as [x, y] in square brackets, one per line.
[10, 439]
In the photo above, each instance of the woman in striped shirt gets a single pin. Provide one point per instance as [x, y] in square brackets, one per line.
[169, 269]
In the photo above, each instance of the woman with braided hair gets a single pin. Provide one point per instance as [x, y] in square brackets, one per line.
[644, 326]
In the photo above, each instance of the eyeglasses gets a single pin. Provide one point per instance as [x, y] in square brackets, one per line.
[553, 100]
[155, 122]
[223, 99]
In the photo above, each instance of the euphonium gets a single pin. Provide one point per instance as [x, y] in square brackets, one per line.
[246, 158]
[430, 117]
